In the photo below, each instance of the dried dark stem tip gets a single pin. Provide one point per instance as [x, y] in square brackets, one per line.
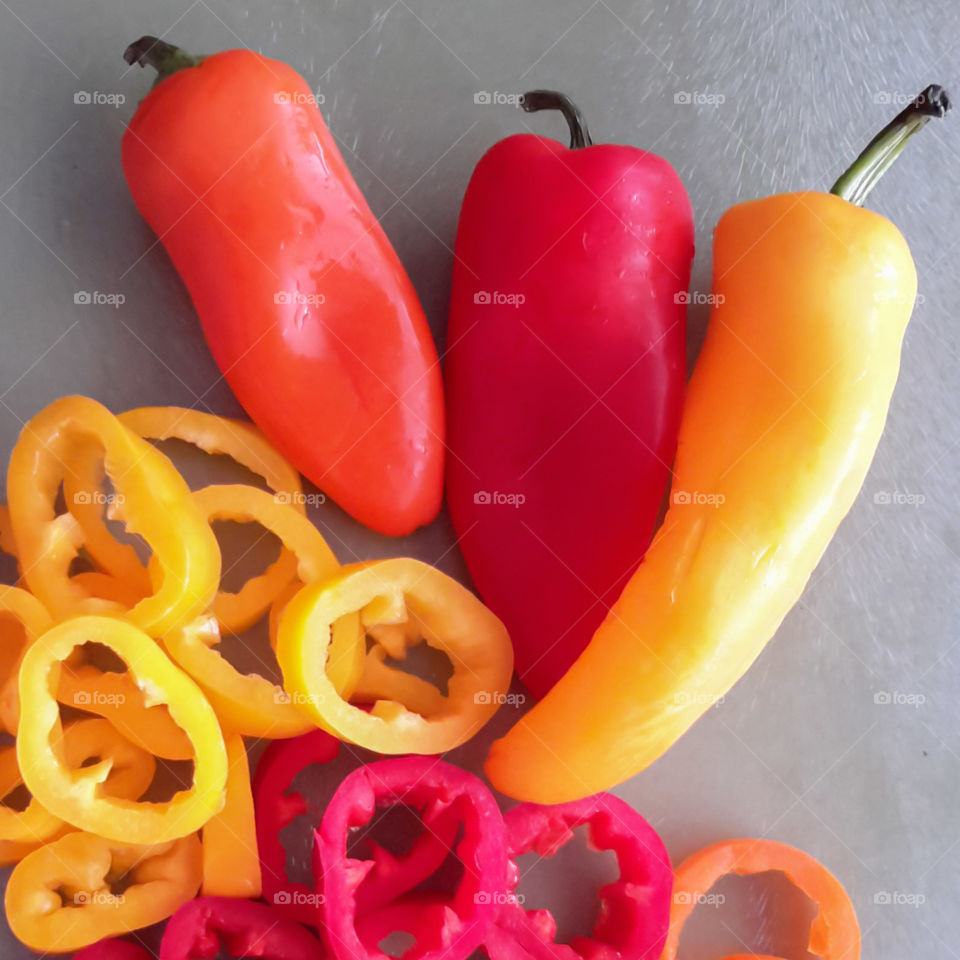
[164, 57]
[536, 100]
[861, 176]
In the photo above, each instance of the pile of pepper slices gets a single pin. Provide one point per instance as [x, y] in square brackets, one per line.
[130, 649]
[109, 660]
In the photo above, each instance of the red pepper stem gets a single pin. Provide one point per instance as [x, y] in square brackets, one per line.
[164, 57]
[535, 100]
[878, 155]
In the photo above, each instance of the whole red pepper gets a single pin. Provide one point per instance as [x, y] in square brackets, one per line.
[244, 928]
[565, 373]
[303, 301]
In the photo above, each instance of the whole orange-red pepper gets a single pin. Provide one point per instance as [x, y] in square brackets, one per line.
[303, 301]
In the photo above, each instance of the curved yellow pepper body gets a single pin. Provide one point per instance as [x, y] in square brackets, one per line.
[784, 413]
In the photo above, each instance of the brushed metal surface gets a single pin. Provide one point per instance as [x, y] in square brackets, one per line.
[843, 737]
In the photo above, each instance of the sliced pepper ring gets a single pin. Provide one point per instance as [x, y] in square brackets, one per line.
[131, 772]
[59, 898]
[248, 703]
[31, 615]
[277, 805]
[76, 795]
[246, 445]
[118, 698]
[399, 601]
[834, 932]
[113, 950]
[231, 864]
[150, 495]
[634, 910]
[197, 930]
[445, 927]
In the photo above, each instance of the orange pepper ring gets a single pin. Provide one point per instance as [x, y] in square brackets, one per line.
[248, 703]
[247, 446]
[834, 932]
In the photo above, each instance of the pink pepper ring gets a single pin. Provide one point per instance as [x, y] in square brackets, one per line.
[113, 950]
[201, 928]
[366, 900]
[276, 806]
[634, 913]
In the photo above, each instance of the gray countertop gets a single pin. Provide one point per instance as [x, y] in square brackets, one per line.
[805, 749]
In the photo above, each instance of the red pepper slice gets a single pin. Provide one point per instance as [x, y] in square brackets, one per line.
[277, 806]
[445, 927]
[634, 913]
[113, 950]
[243, 927]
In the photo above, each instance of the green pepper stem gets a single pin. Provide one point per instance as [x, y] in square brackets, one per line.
[164, 57]
[535, 100]
[878, 155]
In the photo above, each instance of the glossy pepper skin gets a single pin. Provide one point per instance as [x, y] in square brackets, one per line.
[564, 375]
[303, 301]
[784, 413]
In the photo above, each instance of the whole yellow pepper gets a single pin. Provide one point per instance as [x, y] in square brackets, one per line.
[784, 412]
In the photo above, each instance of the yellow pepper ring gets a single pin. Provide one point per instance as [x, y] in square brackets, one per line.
[149, 494]
[419, 600]
[77, 796]
[117, 698]
[246, 445]
[132, 771]
[248, 703]
[32, 619]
